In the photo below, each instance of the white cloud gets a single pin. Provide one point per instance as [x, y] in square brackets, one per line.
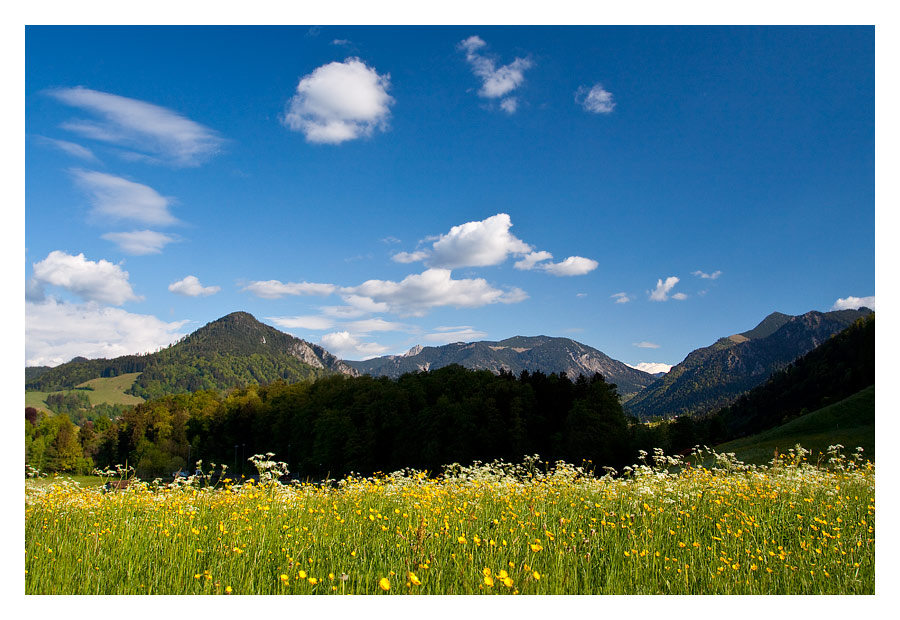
[376, 325]
[646, 345]
[70, 148]
[347, 346]
[477, 244]
[145, 128]
[572, 266]
[190, 287]
[55, 332]
[409, 257]
[463, 333]
[340, 101]
[661, 293]
[595, 99]
[139, 242]
[302, 322]
[621, 298]
[852, 303]
[274, 289]
[495, 81]
[116, 198]
[93, 281]
[509, 105]
[707, 276]
[531, 259]
[679, 296]
[652, 367]
[416, 294]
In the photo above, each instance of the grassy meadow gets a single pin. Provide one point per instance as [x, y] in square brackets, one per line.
[664, 527]
[105, 390]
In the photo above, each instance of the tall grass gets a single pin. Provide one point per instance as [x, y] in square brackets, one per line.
[664, 526]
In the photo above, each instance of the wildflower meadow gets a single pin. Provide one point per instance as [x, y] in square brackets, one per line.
[701, 525]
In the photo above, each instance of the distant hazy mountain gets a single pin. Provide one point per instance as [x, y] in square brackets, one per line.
[232, 351]
[713, 376]
[538, 353]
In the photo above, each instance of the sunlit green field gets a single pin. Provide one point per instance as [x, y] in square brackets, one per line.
[662, 527]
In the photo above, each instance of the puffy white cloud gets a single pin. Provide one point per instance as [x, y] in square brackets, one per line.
[462, 333]
[572, 266]
[303, 322]
[645, 345]
[274, 289]
[409, 257]
[495, 81]
[707, 276]
[116, 198]
[340, 101]
[621, 298]
[661, 292]
[853, 303]
[150, 131]
[531, 259]
[477, 244]
[595, 99]
[55, 332]
[190, 287]
[416, 294]
[139, 242]
[347, 346]
[652, 367]
[93, 281]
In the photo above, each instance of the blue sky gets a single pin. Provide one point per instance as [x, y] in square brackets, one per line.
[373, 188]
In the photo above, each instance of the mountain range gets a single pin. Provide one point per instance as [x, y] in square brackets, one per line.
[712, 377]
[534, 354]
[237, 350]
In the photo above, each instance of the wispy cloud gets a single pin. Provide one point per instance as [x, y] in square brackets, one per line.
[100, 281]
[312, 322]
[662, 290]
[190, 286]
[595, 99]
[621, 298]
[409, 257]
[853, 303]
[707, 276]
[275, 289]
[145, 129]
[572, 266]
[70, 148]
[139, 242]
[340, 101]
[462, 333]
[645, 345]
[496, 82]
[114, 198]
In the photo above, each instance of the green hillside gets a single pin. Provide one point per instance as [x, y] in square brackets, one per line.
[850, 422]
[112, 390]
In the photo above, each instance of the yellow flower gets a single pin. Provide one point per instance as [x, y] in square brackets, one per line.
[508, 582]
[302, 574]
[227, 589]
[414, 580]
[536, 547]
[313, 581]
[502, 574]
[536, 575]
[384, 584]
[488, 581]
[461, 540]
[486, 571]
[284, 578]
